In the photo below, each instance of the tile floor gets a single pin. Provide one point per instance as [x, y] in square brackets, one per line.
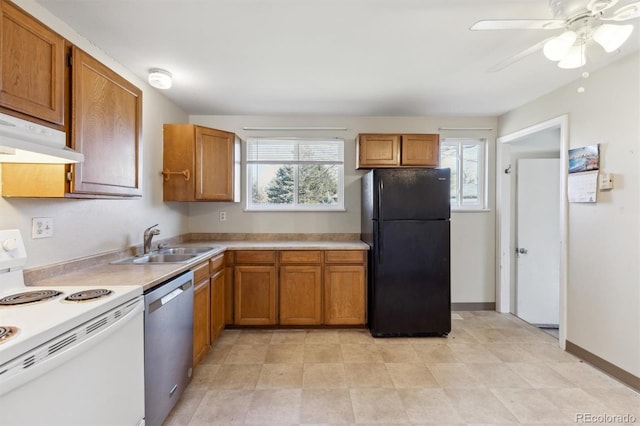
[492, 369]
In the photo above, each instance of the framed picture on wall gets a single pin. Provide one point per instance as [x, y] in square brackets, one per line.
[584, 159]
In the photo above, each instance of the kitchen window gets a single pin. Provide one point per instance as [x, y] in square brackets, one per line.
[466, 157]
[295, 174]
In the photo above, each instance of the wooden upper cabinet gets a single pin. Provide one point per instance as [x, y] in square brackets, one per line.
[378, 150]
[106, 126]
[200, 164]
[395, 150]
[32, 66]
[420, 150]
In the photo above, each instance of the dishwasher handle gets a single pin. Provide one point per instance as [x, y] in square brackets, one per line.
[160, 302]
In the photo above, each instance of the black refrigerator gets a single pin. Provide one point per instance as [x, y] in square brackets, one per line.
[406, 223]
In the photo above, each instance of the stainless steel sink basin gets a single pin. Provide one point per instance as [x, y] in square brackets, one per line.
[185, 250]
[164, 258]
[168, 255]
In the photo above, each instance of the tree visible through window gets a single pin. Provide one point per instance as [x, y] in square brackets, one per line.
[294, 174]
[466, 159]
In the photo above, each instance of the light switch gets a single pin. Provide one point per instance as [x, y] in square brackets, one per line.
[605, 181]
[42, 227]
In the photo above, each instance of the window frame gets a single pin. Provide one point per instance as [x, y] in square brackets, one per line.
[459, 143]
[295, 207]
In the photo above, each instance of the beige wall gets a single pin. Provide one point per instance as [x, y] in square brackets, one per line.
[86, 227]
[603, 294]
[473, 234]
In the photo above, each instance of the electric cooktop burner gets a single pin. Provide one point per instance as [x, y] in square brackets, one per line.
[84, 295]
[7, 332]
[28, 297]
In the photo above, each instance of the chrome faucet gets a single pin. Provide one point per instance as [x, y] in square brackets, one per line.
[148, 236]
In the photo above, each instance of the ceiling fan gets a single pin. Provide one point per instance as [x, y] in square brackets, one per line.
[582, 21]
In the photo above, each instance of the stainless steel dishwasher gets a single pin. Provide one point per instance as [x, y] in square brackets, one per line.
[168, 345]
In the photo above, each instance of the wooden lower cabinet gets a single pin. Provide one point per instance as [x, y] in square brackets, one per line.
[228, 287]
[344, 294]
[300, 295]
[208, 305]
[201, 320]
[296, 287]
[217, 269]
[217, 304]
[255, 295]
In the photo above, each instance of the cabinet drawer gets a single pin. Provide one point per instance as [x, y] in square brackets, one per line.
[200, 272]
[255, 256]
[344, 256]
[216, 263]
[301, 256]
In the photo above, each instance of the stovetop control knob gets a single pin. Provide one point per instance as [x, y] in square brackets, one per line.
[10, 245]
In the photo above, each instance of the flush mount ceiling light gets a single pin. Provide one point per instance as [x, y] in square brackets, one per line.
[159, 78]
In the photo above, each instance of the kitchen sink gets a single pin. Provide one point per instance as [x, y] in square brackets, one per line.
[185, 250]
[168, 255]
[164, 258]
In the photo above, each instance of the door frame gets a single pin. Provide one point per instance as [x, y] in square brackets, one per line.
[505, 253]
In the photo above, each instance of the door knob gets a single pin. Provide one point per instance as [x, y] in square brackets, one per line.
[522, 251]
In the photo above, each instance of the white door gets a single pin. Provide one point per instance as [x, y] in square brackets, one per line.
[538, 241]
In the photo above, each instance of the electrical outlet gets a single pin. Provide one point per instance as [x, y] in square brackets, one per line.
[223, 216]
[42, 227]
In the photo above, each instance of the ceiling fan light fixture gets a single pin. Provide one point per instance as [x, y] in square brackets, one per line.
[574, 59]
[611, 37]
[558, 47]
[159, 78]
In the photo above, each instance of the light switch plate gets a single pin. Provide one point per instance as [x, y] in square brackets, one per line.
[606, 180]
[42, 227]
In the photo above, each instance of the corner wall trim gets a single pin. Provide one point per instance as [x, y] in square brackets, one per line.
[480, 306]
[604, 365]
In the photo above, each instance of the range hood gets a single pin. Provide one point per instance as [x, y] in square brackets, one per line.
[22, 141]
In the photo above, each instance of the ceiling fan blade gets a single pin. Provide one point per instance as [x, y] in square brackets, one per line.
[625, 13]
[518, 24]
[597, 6]
[518, 56]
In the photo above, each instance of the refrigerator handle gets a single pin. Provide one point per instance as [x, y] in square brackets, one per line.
[380, 220]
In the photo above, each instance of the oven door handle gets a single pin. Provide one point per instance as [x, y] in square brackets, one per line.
[65, 347]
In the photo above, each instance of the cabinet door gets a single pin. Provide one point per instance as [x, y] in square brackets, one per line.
[32, 65]
[378, 150]
[344, 298]
[217, 304]
[255, 295]
[214, 165]
[106, 128]
[300, 295]
[420, 150]
[201, 324]
[178, 154]
[228, 287]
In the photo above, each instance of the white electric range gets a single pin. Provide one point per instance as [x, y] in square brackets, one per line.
[76, 345]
